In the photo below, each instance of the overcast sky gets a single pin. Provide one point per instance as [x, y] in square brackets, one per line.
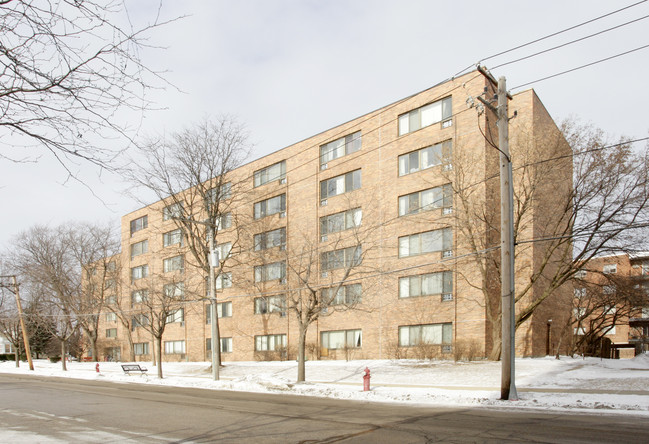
[291, 69]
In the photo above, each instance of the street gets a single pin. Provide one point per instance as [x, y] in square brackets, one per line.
[50, 410]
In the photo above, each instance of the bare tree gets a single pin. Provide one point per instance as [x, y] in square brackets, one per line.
[597, 214]
[154, 308]
[10, 325]
[67, 68]
[320, 275]
[192, 172]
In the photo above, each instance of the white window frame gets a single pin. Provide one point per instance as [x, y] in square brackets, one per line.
[426, 200]
[337, 222]
[270, 342]
[139, 224]
[174, 347]
[433, 334]
[174, 210]
[139, 272]
[416, 285]
[141, 348]
[609, 269]
[424, 116]
[139, 248]
[424, 158]
[345, 295]
[276, 171]
[341, 258]
[341, 339]
[342, 184]
[270, 206]
[176, 316]
[270, 272]
[111, 332]
[418, 243]
[270, 304]
[270, 239]
[340, 147]
[173, 237]
[172, 264]
[174, 290]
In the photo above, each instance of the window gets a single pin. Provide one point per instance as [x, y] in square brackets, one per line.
[610, 269]
[217, 194]
[139, 296]
[270, 304]
[224, 221]
[139, 248]
[174, 347]
[270, 206]
[426, 284]
[579, 312]
[111, 266]
[141, 348]
[340, 184]
[425, 158]
[176, 316]
[580, 293]
[610, 330]
[427, 242]
[172, 211]
[580, 274]
[139, 272]
[109, 283]
[223, 250]
[270, 272]
[139, 224]
[425, 116]
[111, 332]
[270, 239]
[342, 295]
[174, 237]
[111, 317]
[610, 309]
[340, 222]
[609, 289]
[271, 173]
[343, 258]
[340, 147]
[341, 339]
[176, 263]
[426, 200]
[226, 345]
[111, 300]
[139, 320]
[645, 268]
[270, 342]
[223, 310]
[223, 280]
[174, 291]
[436, 334]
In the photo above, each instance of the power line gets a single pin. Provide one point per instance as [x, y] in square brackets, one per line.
[582, 66]
[568, 43]
[550, 35]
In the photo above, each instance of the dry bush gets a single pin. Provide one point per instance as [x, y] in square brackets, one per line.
[467, 350]
[426, 351]
[312, 351]
[395, 351]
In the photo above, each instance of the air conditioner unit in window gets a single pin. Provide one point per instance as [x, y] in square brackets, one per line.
[448, 167]
[447, 348]
[282, 181]
[182, 323]
[282, 247]
[324, 166]
[447, 123]
[324, 274]
[282, 214]
[323, 202]
[447, 253]
[282, 281]
[323, 238]
[447, 297]
[447, 210]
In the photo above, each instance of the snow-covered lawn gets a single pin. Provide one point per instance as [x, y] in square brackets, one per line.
[567, 384]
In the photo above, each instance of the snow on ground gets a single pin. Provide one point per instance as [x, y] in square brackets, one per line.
[573, 384]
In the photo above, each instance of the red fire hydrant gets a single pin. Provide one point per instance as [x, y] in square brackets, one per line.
[366, 380]
[97, 367]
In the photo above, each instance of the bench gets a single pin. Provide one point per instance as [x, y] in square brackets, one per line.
[128, 368]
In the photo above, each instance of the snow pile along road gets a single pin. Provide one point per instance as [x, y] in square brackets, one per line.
[566, 384]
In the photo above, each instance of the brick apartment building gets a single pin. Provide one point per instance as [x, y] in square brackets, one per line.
[412, 175]
[611, 298]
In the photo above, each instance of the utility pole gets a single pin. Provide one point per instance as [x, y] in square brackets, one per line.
[216, 347]
[507, 293]
[16, 292]
[508, 353]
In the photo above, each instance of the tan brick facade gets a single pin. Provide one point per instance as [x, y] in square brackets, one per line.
[458, 308]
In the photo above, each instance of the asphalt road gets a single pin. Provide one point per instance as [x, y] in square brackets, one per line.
[52, 410]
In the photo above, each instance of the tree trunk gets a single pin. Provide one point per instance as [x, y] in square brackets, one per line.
[93, 347]
[158, 349]
[155, 354]
[17, 353]
[63, 363]
[301, 347]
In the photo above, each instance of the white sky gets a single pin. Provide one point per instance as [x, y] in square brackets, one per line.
[289, 69]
